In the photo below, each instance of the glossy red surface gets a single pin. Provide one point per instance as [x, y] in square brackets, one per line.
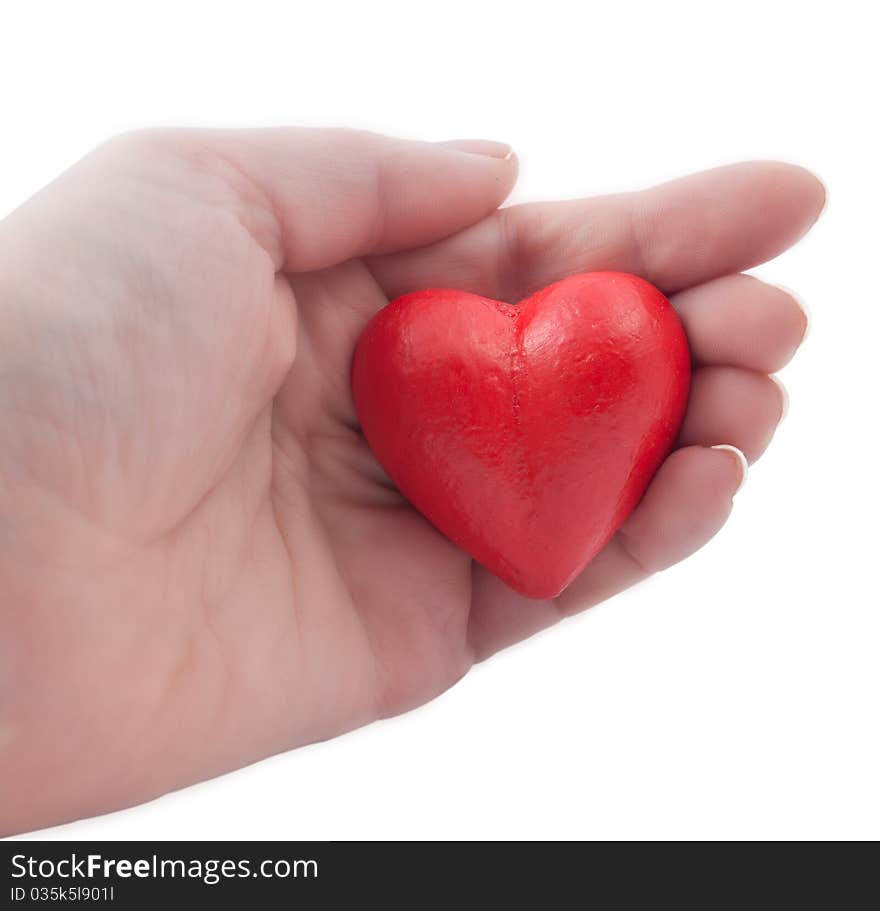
[525, 433]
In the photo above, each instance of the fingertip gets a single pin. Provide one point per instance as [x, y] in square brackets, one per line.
[732, 405]
[741, 321]
[494, 162]
[737, 459]
[815, 189]
[435, 190]
[806, 316]
[783, 397]
[807, 192]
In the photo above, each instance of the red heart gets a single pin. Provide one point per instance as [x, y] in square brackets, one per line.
[527, 433]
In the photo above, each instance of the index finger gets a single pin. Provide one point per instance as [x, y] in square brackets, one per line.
[675, 235]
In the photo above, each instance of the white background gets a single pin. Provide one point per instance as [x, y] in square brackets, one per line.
[737, 694]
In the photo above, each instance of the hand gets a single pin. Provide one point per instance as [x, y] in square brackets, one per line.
[201, 563]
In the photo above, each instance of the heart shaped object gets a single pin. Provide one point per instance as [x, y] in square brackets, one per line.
[525, 433]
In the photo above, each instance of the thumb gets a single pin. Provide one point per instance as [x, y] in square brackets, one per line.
[333, 194]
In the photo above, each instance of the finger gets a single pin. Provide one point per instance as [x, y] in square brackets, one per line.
[688, 501]
[743, 322]
[684, 507]
[731, 405]
[317, 197]
[675, 235]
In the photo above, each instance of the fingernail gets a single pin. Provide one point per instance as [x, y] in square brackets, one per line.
[825, 201]
[742, 463]
[808, 318]
[487, 147]
[784, 393]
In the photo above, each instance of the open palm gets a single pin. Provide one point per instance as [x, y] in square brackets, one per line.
[200, 561]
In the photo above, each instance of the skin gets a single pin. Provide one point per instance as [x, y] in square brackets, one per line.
[201, 564]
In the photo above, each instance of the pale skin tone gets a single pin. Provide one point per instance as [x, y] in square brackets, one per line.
[201, 564]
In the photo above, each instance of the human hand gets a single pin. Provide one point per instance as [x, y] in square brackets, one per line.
[201, 563]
